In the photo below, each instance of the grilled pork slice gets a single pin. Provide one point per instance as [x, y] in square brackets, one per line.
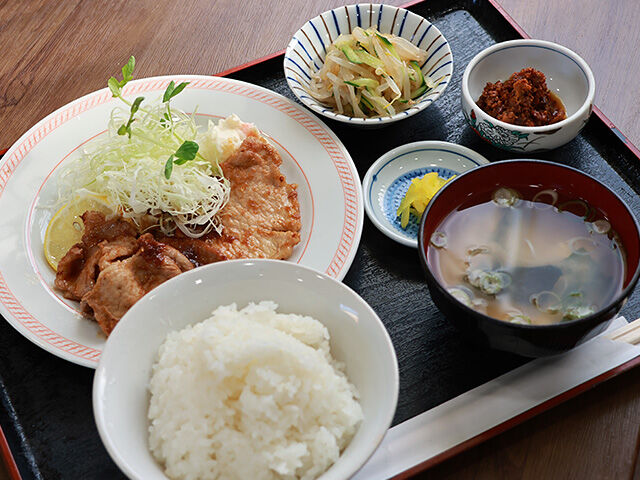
[104, 241]
[111, 269]
[260, 195]
[124, 282]
[262, 217]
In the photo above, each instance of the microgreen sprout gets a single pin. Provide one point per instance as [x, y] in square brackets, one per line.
[116, 90]
[127, 74]
[169, 93]
[129, 168]
[188, 150]
[173, 90]
[125, 128]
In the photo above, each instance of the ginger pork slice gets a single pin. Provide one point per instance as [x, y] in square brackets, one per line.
[104, 240]
[122, 283]
[262, 217]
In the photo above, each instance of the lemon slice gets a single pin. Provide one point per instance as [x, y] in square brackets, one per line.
[65, 228]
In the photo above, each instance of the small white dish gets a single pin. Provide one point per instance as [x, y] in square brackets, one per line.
[388, 180]
[358, 339]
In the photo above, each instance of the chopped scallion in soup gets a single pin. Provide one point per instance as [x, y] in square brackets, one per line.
[527, 261]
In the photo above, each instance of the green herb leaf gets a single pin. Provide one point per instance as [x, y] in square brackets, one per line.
[134, 106]
[168, 168]
[167, 93]
[165, 119]
[179, 88]
[114, 86]
[127, 71]
[187, 150]
[126, 128]
[127, 74]
[172, 90]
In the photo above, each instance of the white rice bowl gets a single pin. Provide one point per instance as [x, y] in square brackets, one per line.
[250, 394]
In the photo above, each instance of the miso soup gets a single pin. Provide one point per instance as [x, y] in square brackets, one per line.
[527, 261]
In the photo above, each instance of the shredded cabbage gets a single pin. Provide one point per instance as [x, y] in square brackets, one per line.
[129, 173]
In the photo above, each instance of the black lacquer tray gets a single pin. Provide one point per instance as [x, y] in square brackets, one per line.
[46, 412]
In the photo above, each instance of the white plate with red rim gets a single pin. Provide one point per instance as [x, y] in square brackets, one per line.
[313, 157]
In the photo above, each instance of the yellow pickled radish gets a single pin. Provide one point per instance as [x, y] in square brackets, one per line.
[65, 228]
[419, 194]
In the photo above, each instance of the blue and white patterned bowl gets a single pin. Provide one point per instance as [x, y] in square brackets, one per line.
[306, 52]
[388, 180]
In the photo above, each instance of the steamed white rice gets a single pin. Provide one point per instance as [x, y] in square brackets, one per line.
[250, 394]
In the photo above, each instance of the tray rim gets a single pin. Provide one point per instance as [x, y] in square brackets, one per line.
[599, 113]
[518, 419]
[7, 456]
[14, 473]
[544, 406]
[632, 148]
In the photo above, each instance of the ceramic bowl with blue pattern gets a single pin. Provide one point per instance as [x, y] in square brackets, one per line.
[567, 74]
[388, 180]
[308, 47]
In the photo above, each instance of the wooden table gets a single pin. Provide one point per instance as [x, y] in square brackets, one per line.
[54, 52]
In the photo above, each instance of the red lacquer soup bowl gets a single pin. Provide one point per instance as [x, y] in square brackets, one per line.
[528, 177]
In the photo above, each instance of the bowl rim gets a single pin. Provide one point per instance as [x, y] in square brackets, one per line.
[386, 418]
[389, 157]
[317, 107]
[584, 108]
[624, 293]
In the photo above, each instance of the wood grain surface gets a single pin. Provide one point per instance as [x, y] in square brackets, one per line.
[54, 52]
